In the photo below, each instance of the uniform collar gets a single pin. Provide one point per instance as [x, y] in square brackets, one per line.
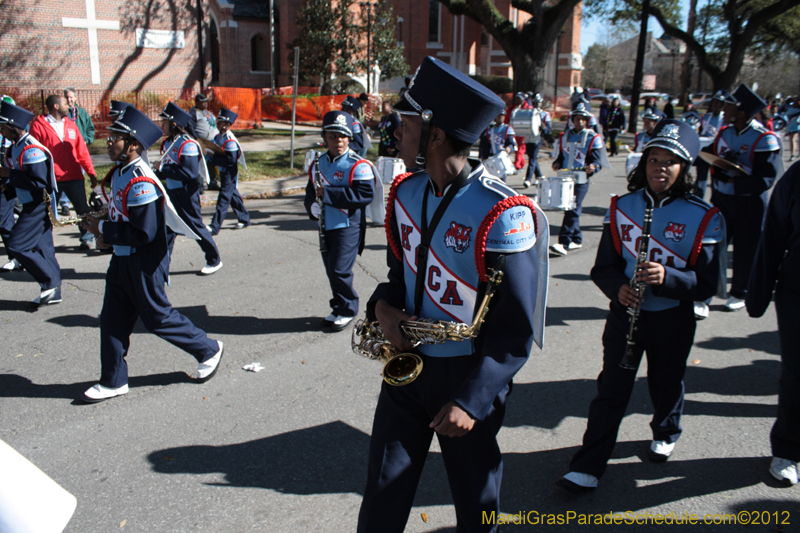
[125, 168]
[651, 201]
[22, 138]
[334, 159]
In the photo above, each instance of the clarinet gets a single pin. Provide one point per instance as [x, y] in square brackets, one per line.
[323, 245]
[629, 360]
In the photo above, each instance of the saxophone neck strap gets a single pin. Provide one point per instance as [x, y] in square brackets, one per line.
[427, 230]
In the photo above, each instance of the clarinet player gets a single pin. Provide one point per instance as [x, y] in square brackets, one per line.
[683, 263]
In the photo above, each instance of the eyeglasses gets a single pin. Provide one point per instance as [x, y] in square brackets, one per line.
[115, 138]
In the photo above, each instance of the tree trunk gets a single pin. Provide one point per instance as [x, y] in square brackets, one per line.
[637, 73]
[527, 71]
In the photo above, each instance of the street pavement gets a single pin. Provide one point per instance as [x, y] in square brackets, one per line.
[285, 449]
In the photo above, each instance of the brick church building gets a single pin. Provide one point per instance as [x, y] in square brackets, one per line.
[116, 46]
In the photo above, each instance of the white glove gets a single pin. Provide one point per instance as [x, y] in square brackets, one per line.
[316, 210]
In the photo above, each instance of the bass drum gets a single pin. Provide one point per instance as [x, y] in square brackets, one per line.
[522, 122]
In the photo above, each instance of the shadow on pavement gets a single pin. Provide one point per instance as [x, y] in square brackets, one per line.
[14, 386]
[247, 325]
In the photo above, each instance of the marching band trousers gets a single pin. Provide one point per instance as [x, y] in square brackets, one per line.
[744, 216]
[6, 220]
[228, 196]
[339, 260]
[187, 203]
[571, 225]
[400, 442]
[135, 289]
[31, 243]
[532, 150]
[785, 435]
[666, 337]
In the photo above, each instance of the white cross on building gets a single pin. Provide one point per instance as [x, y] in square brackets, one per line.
[92, 24]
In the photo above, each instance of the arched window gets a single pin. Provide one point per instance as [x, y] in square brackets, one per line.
[259, 54]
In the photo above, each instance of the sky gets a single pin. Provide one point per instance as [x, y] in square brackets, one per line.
[594, 30]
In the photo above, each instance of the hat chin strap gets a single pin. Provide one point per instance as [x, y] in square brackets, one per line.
[426, 115]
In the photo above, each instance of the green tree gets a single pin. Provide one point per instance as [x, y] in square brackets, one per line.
[316, 24]
[724, 33]
[779, 36]
[527, 46]
[384, 51]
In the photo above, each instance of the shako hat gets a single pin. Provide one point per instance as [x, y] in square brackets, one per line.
[201, 98]
[115, 107]
[748, 101]
[457, 104]
[14, 115]
[351, 102]
[537, 98]
[649, 114]
[338, 121]
[176, 114]
[580, 110]
[137, 125]
[676, 136]
[226, 115]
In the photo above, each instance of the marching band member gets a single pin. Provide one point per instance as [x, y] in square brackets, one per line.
[649, 120]
[228, 164]
[498, 137]
[684, 261]
[7, 201]
[448, 223]
[28, 169]
[579, 148]
[181, 165]
[775, 269]
[534, 143]
[139, 213]
[360, 142]
[346, 189]
[743, 198]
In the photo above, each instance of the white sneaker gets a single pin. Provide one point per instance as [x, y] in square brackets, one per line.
[328, 321]
[558, 248]
[574, 246]
[660, 450]
[241, 225]
[734, 304]
[526, 184]
[577, 482]
[209, 367]
[784, 470]
[98, 393]
[700, 311]
[341, 322]
[11, 266]
[210, 269]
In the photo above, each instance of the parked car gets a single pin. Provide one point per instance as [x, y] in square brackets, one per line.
[592, 92]
[624, 102]
[660, 97]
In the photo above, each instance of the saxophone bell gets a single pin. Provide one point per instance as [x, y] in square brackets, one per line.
[398, 368]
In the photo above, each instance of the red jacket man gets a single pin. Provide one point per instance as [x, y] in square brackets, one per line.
[71, 158]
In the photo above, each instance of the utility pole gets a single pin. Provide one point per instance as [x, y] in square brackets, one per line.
[637, 73]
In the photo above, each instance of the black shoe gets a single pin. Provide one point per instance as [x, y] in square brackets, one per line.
[48, 297]
[327, 321]
[85, 246]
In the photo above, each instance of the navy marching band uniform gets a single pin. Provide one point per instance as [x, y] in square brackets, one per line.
[139, 214]
[360, 142]
[496, 138]
[228, 165]
[710, 125]
[589, 149]
[349, 185]
[775, 268]
[743, 199]
[484, 222]
[30, 240]
[687, 237]
[181, 165]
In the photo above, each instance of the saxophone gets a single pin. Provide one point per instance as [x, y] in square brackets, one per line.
[71, 221]
[323, 245]
[403, 368]
[629, 360]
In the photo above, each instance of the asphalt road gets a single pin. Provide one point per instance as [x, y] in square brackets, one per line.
[286, 449]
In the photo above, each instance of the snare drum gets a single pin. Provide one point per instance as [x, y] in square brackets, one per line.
[522, 122]
[310, 155]
[578, 176]
[556, 193]
[499, 165]
[389, 168]
[631, 162]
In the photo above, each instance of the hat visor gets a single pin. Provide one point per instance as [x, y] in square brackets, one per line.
[404, 107]
[340, 129]
[672, 146]
[163, 115]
